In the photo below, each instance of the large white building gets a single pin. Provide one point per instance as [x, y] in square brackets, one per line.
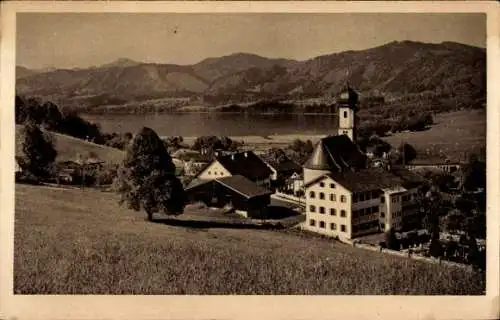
[345, 198]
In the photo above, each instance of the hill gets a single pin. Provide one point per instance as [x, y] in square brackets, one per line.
[22, 72]
[395, 70]
[108, 249]
[69, 148]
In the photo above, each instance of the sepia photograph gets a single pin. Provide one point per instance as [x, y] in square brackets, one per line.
[249, 152]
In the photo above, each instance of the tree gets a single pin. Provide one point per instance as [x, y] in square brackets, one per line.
[435, 248]
[146, 179]
[39, 152]
[20, 110]
[406, 153]
[53, 116]
[391, 241]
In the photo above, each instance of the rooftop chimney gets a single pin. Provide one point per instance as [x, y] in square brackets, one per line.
[232, 157]
[246, 154]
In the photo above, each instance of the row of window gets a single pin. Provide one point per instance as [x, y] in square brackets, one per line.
[365, 196]
[365, 211]
[365, 226]
[333, 197]
[333, 226]
[406, 197]
[333, 211]
[215, 173]
[322, 185]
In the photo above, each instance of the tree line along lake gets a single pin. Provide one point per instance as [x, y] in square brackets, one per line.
[195, 124]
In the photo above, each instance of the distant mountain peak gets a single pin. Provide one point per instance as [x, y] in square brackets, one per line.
[121, 62]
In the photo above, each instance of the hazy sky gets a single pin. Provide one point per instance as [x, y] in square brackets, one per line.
[85, 39]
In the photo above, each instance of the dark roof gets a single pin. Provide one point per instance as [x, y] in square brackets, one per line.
[372, 179]
[285, 165]
[336, 153]
[246, 164]
[236, 183]
[348, 98]
[196, 183]
[243, 186]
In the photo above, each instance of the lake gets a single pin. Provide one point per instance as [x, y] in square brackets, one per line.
[219, 124]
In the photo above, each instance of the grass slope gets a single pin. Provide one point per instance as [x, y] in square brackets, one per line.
[453, 134]
[69, 148]
[81, 241]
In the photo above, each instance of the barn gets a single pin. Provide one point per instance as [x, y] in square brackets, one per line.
[237, 192]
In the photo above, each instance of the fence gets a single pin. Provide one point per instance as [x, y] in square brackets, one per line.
[406, 254]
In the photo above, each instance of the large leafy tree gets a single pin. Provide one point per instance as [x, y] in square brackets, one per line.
[146, 179]
[39, 152]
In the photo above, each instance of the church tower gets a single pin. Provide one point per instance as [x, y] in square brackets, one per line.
[347, 104]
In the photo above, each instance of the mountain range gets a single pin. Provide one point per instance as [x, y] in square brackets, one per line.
[396, 69]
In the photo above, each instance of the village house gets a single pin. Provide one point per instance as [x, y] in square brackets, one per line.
[245, 164]
[344, 197]
[234, 192]
[286, 174]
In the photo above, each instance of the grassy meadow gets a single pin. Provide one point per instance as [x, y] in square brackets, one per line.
[83, 242]
[69, 148]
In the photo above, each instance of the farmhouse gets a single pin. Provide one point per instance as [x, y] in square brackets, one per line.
[286, 174]
[245, 164]
[345, 198]
[235, 192]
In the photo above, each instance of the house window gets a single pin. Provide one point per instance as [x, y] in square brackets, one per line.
[333, 212]
[343, 228]
[342, 198]
[333, 226]
[322, 196]
[209, 172]
[382, 199]
[345, 115]
[333, 197]
[322, 224]
[321, 184]
[312, 208]
[361, 197]
[312, 194]
[382, 214]
[321, 209]
[342, 213]
[332, 185]
[312, 222]
[382, 226]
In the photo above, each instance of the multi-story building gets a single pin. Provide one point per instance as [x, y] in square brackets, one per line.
[345, 198]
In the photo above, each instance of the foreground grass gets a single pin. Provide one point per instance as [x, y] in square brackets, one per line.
[82, 242]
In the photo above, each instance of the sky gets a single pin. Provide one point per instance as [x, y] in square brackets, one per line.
[68, 40]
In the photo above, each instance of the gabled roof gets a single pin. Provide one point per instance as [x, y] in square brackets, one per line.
[246, 164]
[336, 153]
[243, 186]
[236, 183]
[371, 179]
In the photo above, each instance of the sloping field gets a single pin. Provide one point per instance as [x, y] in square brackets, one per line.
[69, 148]
[81, 241]
[454, 134]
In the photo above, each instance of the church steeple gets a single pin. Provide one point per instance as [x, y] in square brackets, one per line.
[347, 105]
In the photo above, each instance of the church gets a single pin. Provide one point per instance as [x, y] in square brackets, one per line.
[344, 197]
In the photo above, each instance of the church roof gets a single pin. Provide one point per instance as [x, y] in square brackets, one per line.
[336, 153]
[348, 98]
